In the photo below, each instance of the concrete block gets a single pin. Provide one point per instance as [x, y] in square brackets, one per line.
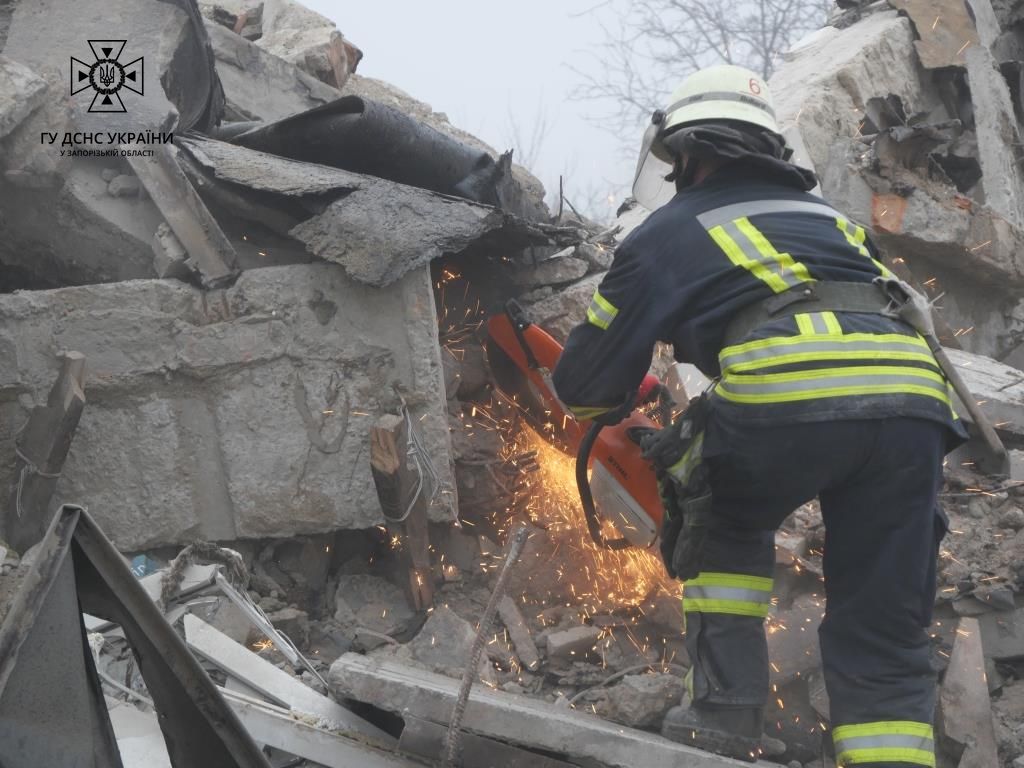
[641, 701]
[572, 644]
[824, 83]
[999, 136]
[234, 414]
[259, 85]
[998, 388]
[966, 709]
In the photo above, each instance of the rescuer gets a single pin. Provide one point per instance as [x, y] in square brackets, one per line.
[820, 391]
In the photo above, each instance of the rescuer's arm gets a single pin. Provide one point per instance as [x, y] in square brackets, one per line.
[607, 357]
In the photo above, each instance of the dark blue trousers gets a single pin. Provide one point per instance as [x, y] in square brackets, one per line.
[878, 482]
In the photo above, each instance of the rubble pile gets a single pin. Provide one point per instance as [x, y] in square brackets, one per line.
[243, 323]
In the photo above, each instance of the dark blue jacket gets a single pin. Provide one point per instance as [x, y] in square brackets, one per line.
[735, 239]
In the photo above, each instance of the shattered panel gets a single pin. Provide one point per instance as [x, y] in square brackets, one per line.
[237, 414]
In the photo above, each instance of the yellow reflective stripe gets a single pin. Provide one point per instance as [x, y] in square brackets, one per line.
[739, 258]
[894, 741]
[832, 382]
[857, 239]
[737, 580]
[832, 325]
[804, 324]
[883, 728]
[582, 413]
[601, 311]
[691, 459]
[766, 249]
[886, 755]
[734, 607]
[735, 593]
[813, 357]
[774, 341]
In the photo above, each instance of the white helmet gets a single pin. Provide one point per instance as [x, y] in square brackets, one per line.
[723, 92]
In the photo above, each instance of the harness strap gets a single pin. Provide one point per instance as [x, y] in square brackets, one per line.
[865, 298]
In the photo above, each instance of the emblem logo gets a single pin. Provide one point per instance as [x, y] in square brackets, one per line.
[106, 75]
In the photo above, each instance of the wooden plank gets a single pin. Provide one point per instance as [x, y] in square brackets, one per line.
[398, 688]
[42, 447]
[276, 684]
[209, 250]
[396, 483]
[278, 728]
[966, 707]
[426, 739]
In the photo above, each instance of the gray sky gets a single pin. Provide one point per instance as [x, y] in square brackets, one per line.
[480, 62]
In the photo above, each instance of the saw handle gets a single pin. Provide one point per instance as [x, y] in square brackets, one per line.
[587, 498]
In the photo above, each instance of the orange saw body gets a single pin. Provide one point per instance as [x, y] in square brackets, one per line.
[622, 483]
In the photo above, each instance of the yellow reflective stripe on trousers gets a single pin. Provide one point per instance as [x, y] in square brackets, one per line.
[787, 350]
[747, 247]
[601, 311]
[832, 382]
[734, 593]
[895, 741]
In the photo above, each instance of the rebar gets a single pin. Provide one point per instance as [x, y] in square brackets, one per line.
[453, 739]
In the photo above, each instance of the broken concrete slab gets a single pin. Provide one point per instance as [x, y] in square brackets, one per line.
[573, 643]
[169, 255]
[319, 741]
[230, 415]
[998, 388]
[1003, 634]
[823, 85]
[209, 252]
[277, 685]
[945, 30]
[510, 717]
[310, 41]
[21, 92]
[376, 229]
[259, 85]
[966, 709]
[999, 136]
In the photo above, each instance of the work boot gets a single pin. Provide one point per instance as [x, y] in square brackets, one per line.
[730, 732]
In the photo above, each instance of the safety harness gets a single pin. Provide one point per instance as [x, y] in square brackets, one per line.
[676, 451]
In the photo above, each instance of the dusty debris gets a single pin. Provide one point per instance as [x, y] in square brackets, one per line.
[641, 701]
[22, 91]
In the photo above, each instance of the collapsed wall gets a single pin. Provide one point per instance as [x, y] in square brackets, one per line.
[911, 118]
[240, 413]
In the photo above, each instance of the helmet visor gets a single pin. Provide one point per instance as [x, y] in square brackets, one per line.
[649, 186]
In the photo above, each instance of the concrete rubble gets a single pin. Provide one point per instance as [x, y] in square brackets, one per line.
[218, 330]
